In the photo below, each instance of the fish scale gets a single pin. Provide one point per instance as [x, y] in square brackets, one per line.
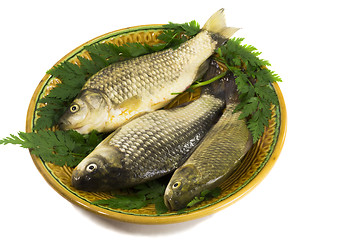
[143, 76]
[212, 162]
[130, 88]
[149, 146]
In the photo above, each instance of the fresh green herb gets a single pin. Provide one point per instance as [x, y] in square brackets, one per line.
[69, 147]
[200, 83]
[59, 147]
[74, 76]
[197, 84]
[205, 195]
[253, 82]
[190, 29]
[175, 34]
[252, 78]
[140, 196]
[150, 193]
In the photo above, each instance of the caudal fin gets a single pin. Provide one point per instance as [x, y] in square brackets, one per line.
[216, 24]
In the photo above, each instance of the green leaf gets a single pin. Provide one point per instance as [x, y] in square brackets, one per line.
[242, 82]
[253, 82]
[250, 107]
[265, 76]
[206, 194]
[89, 67]
[155, 189]
[189, 28]
[67, 71]
[160, 206]
[74, 76]
[140, 196]
[13, 139]
[235, 54]
[59, 147]
[93, 138]
[99, 60]
[259, 120]
[175, 34]
[195, 201]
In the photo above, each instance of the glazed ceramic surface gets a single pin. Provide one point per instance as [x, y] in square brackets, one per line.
[254, 167]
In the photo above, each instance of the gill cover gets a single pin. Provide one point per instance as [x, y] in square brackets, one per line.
[85, 113]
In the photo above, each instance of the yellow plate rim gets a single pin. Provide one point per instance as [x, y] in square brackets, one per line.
[158, 219]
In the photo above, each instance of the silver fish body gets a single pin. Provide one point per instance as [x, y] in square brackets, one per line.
[212, 162]
[126, 89]
[148, 147]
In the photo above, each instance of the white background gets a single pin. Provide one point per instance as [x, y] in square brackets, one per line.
[313, 190]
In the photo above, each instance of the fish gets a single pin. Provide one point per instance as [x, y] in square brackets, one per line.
[126, 89]
[217, 156]
[151, 145]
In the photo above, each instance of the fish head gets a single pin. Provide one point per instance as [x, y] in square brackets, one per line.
[183, 187]
[86, 113]
[99, 171]
[88, 174]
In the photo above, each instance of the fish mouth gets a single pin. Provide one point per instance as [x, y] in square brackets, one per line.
[172, 204]
[80, 181]
[76, 180]
[64, 124]
[67, 125]
[168, 203]
[81, 130]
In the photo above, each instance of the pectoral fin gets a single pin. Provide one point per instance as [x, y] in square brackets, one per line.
[131, 104]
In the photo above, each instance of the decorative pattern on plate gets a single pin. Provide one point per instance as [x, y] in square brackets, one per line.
[232, 189]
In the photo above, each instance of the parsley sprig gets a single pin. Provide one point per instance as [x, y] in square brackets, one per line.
[253, 81]
[151, 193]
[205, 195]
[138, 197]
[58, 147]
[74, 76]
[175, 33]
[69, 147]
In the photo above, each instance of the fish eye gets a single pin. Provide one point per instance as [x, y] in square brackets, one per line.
[176, 185]
[74, 108]
[91, 167]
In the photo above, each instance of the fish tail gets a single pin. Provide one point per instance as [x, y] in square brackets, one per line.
[217, 26]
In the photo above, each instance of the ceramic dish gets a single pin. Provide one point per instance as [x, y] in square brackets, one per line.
[254, 167]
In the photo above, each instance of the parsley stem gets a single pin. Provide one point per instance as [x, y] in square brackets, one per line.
[200, 84]
[223, 60]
